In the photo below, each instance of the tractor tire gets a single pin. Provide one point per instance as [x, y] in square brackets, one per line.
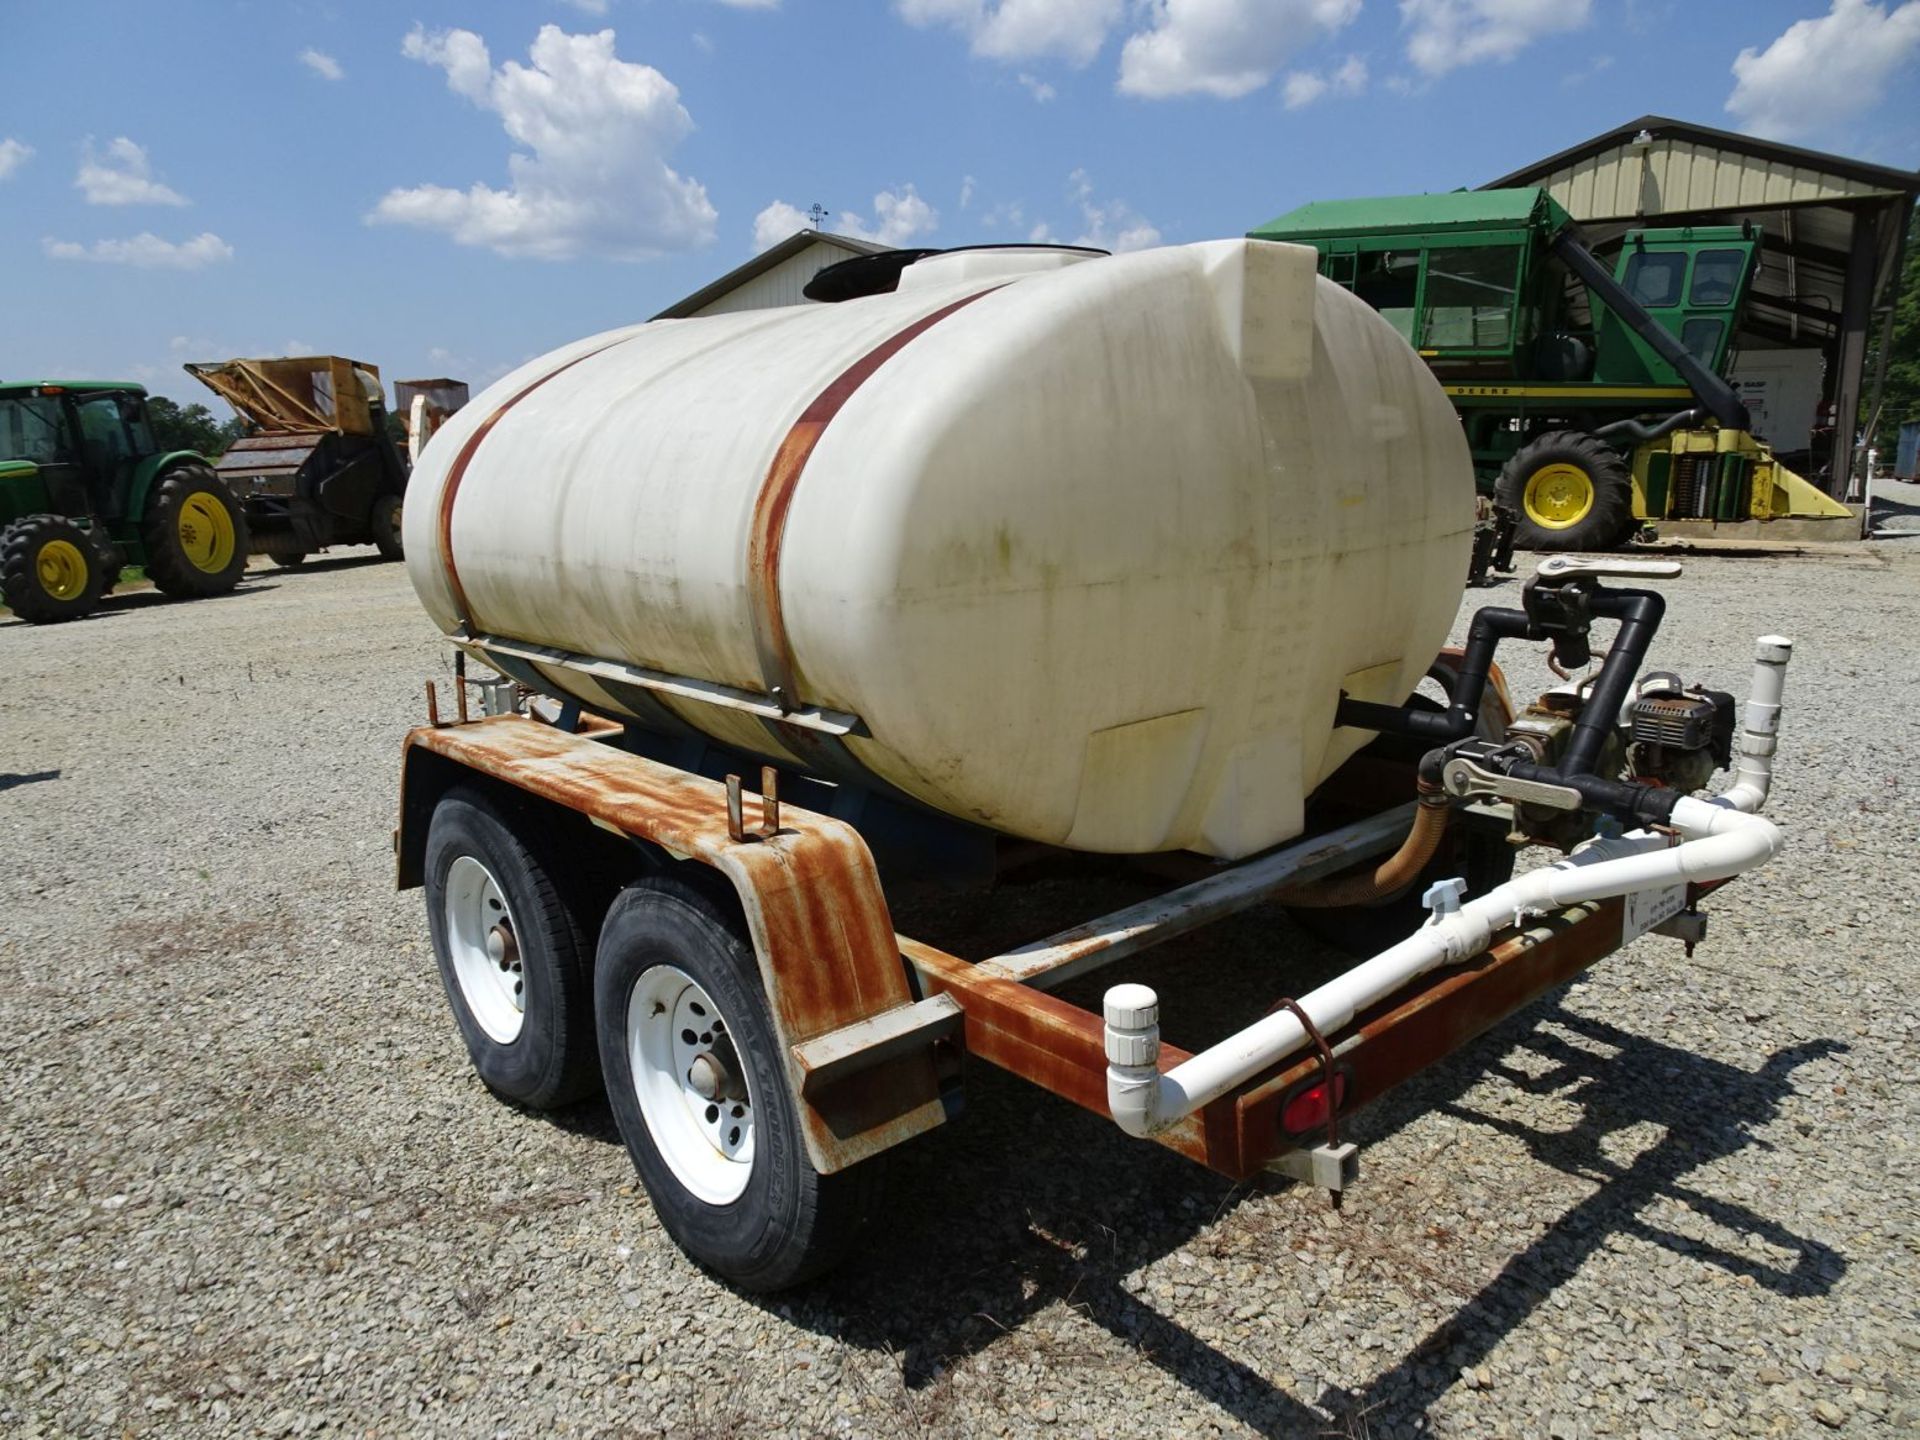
[1571, 492]
[49, 570]
[384, 521]
[196, 534]
[287, 559]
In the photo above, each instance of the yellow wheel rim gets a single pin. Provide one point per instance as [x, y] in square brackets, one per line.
[62, 569]
[1558, 496]
[206, 533]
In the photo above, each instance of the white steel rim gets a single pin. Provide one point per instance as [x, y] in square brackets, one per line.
[691, 1085]
[483, 942]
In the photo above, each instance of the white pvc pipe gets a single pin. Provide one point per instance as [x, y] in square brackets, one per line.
[1760, 725]
[1719, 839]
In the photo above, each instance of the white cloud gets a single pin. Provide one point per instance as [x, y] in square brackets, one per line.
[1041, 91]
[145, 251]
[1818, 73]
[1111, 225]
[898, 216]
[598, 129]
[322, 64]
[1599, 65]
[1447, 34]
[967, 184]
[1303, 87]
[1010, 213]
[13, 154]
[1070, 30]
[776, 223]
[122, 176]
[1223, 48]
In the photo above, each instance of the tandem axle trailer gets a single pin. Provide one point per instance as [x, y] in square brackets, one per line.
[727, 964]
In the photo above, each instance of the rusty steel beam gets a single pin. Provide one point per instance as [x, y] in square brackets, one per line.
[861, 1052]
[1059, 958]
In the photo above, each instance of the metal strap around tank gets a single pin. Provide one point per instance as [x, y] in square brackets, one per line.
[451, 490]
[775, 501]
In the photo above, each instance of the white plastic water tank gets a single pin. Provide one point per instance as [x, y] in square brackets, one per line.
[1082, 550]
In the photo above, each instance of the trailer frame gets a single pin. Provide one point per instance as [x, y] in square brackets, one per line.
[874, 1025]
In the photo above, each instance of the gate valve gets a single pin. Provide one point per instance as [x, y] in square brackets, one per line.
[1443, 898]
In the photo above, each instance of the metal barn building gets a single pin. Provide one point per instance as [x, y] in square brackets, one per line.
[1833, 232]
[774, 277]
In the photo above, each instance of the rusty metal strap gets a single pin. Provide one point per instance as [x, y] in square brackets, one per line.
[775, 500]
[458, 472]
[1325, 1051]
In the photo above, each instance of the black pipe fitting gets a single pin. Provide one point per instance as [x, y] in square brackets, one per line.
[1490, 626]
[1634, 805]
[1639, 613]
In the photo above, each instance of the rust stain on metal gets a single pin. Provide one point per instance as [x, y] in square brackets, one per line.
[1403, 1035]
[458, 473]
[810, 894]
[1041, 1038]
[775, 500]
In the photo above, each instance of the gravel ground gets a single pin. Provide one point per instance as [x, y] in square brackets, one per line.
[249, 1185]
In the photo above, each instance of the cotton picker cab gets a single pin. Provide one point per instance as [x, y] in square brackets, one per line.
[85, 490]
[320, 467]
[1594, 396]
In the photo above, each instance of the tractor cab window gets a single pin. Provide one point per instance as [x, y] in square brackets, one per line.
[1701, 338]
[32, 428]
[1469, 300]
[103, 430]
[1389, 281]
[1656, 277]
[1716, 276]
[134, 412]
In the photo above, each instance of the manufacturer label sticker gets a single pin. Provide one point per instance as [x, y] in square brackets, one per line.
[1647, 908]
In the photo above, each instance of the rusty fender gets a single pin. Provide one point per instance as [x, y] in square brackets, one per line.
[812, 900]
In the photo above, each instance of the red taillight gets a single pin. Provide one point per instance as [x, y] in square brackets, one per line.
[1306, 1110]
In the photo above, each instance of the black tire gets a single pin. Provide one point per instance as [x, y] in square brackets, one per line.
[49, 570]
[286, 559]
[180, 504]
[1574, 460]
[790, 1223]
[384, 521]
[550, 1060]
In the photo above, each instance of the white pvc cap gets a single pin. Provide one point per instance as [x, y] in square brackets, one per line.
[1132, 1007]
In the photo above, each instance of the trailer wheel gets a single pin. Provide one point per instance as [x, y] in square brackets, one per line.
[49, 570]
[513, 959]
[1571, 492]
[384, 521]
[693, 1072]
[196, 534]
[285, 558]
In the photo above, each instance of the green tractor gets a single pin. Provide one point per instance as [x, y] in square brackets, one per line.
[85, 490]
[1594, 397]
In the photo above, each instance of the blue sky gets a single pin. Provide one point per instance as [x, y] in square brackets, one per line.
[451, 186]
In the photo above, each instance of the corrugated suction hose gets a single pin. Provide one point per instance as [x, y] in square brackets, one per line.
[1395, 873]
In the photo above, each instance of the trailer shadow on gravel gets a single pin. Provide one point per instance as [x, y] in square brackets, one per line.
[1032, 1202]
